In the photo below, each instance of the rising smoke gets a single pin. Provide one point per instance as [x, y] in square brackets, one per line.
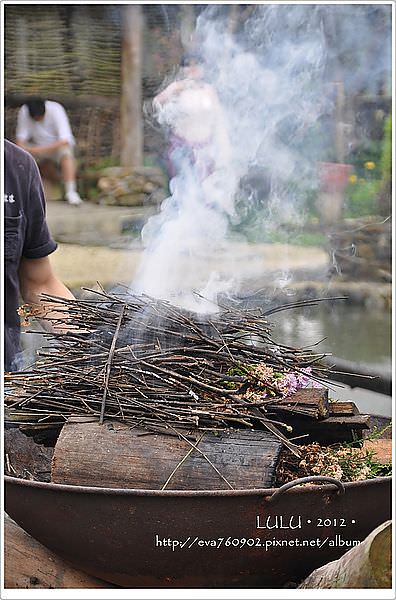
[273, 80]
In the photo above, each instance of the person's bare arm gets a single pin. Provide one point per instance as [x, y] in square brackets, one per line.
[37, 150]
[163, 97]
[37, 277]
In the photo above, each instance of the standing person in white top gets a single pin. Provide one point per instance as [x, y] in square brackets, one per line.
[43, 129]
[198, 133]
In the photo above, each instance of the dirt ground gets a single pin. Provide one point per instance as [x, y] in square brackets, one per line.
[84, 265]
[92, 248]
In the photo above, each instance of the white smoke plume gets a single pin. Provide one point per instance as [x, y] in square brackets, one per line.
[256, 143]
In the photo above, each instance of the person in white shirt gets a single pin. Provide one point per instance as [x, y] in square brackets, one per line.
[43, 129]
[199, 141]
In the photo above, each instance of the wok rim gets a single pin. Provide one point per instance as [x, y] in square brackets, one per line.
[61, 487]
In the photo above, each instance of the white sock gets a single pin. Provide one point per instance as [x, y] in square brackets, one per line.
[70, 186]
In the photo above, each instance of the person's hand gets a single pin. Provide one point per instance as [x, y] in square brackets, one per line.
[49, 316]
[40, 150]
[37, 150]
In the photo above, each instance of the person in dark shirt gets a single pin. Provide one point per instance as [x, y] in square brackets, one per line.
[27, 244]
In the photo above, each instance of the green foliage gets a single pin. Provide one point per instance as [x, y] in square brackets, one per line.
[358, 465]
[386, 156]
[372, 162]
[105, 162]
[307, 238]
[92, 193]
[363, 464]
[367, 151]
[240, 370]
[286, 236]
[361, 198]
[151, 160]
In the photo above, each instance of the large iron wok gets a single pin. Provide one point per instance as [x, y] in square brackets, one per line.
[127, 536]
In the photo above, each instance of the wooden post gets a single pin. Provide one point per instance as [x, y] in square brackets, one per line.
[233, 16]
[29, 564]
[339, 121]
[131, 87]
[367, 565]
[187, 25]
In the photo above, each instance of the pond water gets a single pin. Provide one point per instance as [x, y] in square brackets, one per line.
[352, 332]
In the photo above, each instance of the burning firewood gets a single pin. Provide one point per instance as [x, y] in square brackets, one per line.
[151, 364]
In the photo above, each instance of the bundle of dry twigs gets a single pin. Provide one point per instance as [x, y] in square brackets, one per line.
[157, 366]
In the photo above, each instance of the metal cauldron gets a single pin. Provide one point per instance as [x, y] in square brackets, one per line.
[190, 539]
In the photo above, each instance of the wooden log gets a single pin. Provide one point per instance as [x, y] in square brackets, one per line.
[29, 564]
[115, 455]
[355, 421]
[367, 565]
[24, 458]
[330, 430]
[338, 408]
[310, 402]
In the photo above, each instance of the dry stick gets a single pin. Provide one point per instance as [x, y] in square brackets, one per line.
[131, 400]
[205, 386]
[224, 343]
[228, 329]
[108, 365]
[203, 454]
[301, 304]
[182, 461]
[26, 400]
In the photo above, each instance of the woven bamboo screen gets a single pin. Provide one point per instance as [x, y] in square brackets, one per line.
[72, 54]
[62, 50]
[66, 49]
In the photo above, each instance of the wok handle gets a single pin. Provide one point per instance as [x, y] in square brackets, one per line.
[311, 479]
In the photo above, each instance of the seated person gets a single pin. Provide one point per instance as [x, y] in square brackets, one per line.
[43, 129]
